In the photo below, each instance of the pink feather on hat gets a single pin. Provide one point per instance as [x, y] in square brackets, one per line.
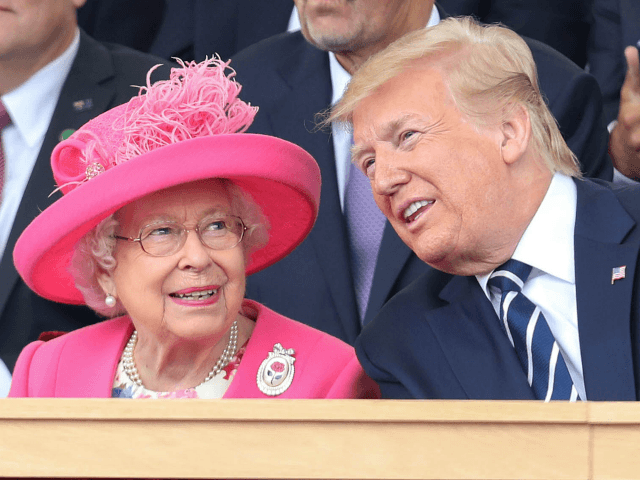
[198, 100]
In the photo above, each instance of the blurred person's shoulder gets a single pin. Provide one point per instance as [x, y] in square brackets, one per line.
[122, 63]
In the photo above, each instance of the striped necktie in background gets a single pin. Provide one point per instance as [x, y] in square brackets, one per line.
[4, 121]
[530, 335]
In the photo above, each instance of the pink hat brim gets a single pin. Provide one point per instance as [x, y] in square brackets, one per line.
[282, 178]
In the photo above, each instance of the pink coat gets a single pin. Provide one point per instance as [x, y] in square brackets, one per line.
[82, 364]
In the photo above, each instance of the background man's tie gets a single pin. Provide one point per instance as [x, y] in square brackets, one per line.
[365, 224]
[530, 335]
[4, 121]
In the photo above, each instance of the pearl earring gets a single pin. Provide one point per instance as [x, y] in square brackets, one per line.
[110, 300]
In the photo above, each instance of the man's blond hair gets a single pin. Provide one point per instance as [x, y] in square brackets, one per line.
[489, 71]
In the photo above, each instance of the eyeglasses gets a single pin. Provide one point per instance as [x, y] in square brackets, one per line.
[218, 232]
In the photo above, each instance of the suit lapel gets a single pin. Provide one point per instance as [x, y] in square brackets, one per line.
[480, 355]
[604, 309]
[309, 84]
[81, 85]
[393, 255]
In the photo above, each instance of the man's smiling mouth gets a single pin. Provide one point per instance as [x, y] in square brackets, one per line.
[414, 210]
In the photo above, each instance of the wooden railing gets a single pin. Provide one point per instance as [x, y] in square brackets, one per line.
[114, 438]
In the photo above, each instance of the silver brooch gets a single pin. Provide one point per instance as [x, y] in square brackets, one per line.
[276, 371]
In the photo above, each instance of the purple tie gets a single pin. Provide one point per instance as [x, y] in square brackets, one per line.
[365, 223]
[4, 121]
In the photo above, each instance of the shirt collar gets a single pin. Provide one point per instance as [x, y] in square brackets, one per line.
[32, 104]
[340, 78]
[434, 19]
[547, 243]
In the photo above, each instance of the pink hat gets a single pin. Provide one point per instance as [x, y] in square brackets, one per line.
[180, 130]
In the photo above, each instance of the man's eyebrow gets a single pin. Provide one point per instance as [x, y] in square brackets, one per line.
[357, 151]
[386, 132]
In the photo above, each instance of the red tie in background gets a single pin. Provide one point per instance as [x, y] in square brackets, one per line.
[4, 121]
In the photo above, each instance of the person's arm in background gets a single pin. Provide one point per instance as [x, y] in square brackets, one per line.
[624, 142]
[615, 26]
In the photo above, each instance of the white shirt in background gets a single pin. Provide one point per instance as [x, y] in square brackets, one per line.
[31, 108]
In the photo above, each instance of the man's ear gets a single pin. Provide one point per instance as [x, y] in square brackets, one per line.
[105, 280]
[516, 134]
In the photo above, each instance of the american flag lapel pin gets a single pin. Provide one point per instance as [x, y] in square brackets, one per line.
[618, 273]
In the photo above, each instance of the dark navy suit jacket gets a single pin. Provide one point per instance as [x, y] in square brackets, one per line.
[195, 29]
[562, 25]
[133, 24]
[289, 80]
[448, 343]
[616, 26]
[104, 74]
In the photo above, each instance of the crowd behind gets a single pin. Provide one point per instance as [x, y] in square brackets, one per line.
[432, 311]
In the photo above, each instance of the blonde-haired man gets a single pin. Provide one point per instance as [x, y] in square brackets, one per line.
[467, 164]
[294, 76]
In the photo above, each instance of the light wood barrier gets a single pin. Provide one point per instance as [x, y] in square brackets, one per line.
[114, 438]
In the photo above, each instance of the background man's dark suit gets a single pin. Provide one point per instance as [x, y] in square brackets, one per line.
[289, 80]
[616, 26]
[133, 24]
[448, 343]
[102, 74]
[195, 29]
[562, 25]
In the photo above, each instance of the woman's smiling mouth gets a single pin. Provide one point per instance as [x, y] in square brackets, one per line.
[196, 296]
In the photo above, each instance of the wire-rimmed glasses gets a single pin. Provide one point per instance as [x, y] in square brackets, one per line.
[164, 238]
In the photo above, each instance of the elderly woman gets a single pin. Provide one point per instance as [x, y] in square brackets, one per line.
[167, 207]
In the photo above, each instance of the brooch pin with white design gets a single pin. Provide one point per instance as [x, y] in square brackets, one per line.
[276, 371]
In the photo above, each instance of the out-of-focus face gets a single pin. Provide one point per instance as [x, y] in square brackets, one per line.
[438, 179]
[352, 25]
[196, 293]
[37, 30]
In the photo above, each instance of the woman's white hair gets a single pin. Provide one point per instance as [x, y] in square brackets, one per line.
[94, 253]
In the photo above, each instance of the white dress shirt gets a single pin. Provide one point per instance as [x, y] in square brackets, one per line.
[31, 108]
[294, 21]
[547, 245]
[5, 380]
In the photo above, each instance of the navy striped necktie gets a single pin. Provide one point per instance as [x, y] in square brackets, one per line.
[529, 333]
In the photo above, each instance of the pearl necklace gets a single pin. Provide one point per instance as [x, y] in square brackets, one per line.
[228, 353]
